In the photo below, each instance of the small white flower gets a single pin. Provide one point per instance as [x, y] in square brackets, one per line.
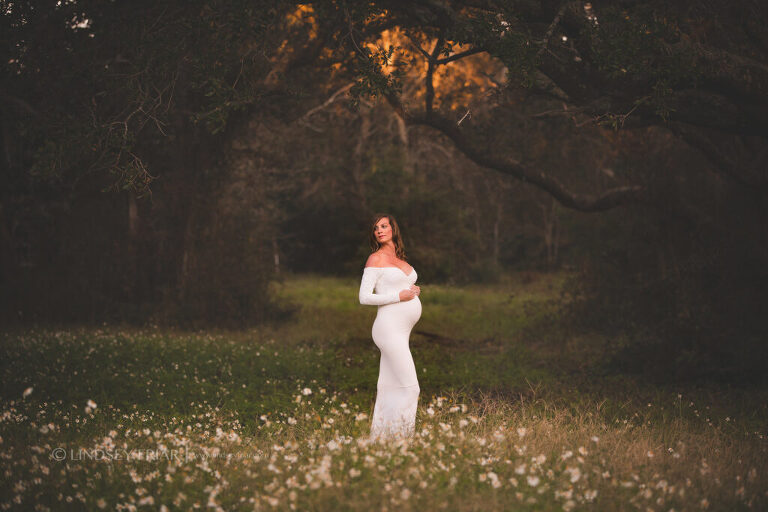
[575, 473]
[532, 480]
[27, 392]
[306, 391]
[521, 431]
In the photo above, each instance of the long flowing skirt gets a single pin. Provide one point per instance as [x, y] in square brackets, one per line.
[397, 396]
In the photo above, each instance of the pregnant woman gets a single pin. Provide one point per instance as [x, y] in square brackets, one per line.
[399, 308]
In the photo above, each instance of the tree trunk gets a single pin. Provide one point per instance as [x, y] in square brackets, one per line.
[358, 169]
[402, 129]
[276, 254]
[496, 223]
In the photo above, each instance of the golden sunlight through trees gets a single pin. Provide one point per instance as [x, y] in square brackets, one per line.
[457, 85]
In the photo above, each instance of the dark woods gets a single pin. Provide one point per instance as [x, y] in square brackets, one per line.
[164, 161]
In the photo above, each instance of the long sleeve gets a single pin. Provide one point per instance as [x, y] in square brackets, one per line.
[367, 284]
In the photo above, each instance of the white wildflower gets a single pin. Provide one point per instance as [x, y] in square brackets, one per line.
[575, 473]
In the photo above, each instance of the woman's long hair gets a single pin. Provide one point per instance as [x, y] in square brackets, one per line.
[397, 240]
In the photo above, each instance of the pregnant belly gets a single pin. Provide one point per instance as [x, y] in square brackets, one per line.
[399, 317]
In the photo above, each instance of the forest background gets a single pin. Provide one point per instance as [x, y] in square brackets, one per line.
[164, 162]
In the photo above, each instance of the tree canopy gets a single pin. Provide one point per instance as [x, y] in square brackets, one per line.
[90, 81]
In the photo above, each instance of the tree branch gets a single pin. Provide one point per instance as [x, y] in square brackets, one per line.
[605, 201]
[461, 55]
[551, 29]
[432, 60]
[721, 162]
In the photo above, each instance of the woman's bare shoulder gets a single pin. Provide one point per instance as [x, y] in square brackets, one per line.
[374, 260]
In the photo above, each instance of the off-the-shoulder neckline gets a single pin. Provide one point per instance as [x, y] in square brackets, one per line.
[398, 268]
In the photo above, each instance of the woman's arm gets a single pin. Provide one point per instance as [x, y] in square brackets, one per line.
[367, 284]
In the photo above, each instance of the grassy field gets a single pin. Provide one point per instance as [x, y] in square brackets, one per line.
[516, 413]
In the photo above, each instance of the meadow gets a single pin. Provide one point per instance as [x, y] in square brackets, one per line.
[517, 412]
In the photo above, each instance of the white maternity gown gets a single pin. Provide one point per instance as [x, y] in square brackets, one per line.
[394, 414]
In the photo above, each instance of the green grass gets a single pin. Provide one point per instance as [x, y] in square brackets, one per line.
[515, 412]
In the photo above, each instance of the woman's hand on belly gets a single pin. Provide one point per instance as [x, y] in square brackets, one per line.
[409, 293]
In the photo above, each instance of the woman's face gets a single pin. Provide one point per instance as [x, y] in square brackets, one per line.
[383, 230]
